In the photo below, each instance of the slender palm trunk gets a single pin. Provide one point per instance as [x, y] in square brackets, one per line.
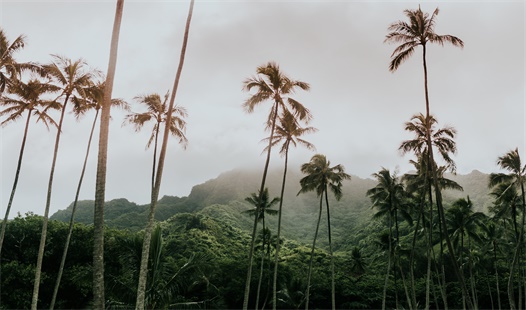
[386, 282]
[276, 259]
[141, 288]
[413, 246]
[17, 174]
[261, 265]
[438, 194]
[40, 257]
[429, 239]
[515, 262]
[254, 230]
[307, 294]
[472, 277]
[333, 289]
[443, 286]
[72, 219]
[100, 182]
[155, 153]
[496, 273]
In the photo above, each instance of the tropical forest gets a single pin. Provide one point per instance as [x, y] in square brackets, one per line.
[280, 234]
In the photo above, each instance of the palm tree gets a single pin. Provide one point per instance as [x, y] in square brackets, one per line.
[271, 84]
[10, 69]
[287, 132]
[262, 206]
[443, 140]
[72, 77]
[514, 180]
[28, 97]
[418, 32]
[463, 222]
[102, 156]
[141, 287]
[157, 111]
[389, 196]
[320, 178]
[93, 101]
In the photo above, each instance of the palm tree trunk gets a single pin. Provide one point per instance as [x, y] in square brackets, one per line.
[388, 264]
[17, 174]
[514, 262]
[155, 154]
[496, 273]
[100, 183]
[40, 257]
[141, 288]
[429, 239]
[307, 294]
[71, 220]
[333, 289]
[261, 265]
[413, 246]
[276, 259]
[443, 290]
[438, 195]
[254, 230]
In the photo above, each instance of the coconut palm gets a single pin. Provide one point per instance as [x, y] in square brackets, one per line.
[262, 206]
[10, 69]
[157, 112]
[72, 77]
[27, 100]
[102, 156]
[287, 132]
[389, 198]
[463, 223]
[143, 274]
[271, 85]
[514, 180]
[93, 101]
[443, 140]
[321, 177]
[419, 32]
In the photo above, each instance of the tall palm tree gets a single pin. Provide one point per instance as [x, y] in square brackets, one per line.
[419, 32]
[141, 287]
[72, 77]
[157, 112]
[262, 206]
[389, 197]
[514, 180]
[10, 69]
[271, 84]
[321, 177]
[287, 132]
[102, 156]
[93, 101]
[27, 99]
[427, 136]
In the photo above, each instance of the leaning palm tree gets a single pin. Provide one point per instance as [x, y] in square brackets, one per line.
[93, 101]
[389, 198]
[10, 69]
[514, 180]
[419, 32]
[287, 132]
[72, 77]
[271, 84]
[143, 273]
[320, 178]
[157, 112]
[102, 156]
[27, 98]
[262, 206]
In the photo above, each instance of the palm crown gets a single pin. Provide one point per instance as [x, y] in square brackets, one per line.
[321, 176]
[419, 31]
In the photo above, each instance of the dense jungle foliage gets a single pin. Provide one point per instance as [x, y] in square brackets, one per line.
[201, 245]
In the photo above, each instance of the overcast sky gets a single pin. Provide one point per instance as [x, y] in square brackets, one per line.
[358, 106]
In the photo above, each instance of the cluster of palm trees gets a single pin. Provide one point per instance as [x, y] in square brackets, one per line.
[35, 90]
